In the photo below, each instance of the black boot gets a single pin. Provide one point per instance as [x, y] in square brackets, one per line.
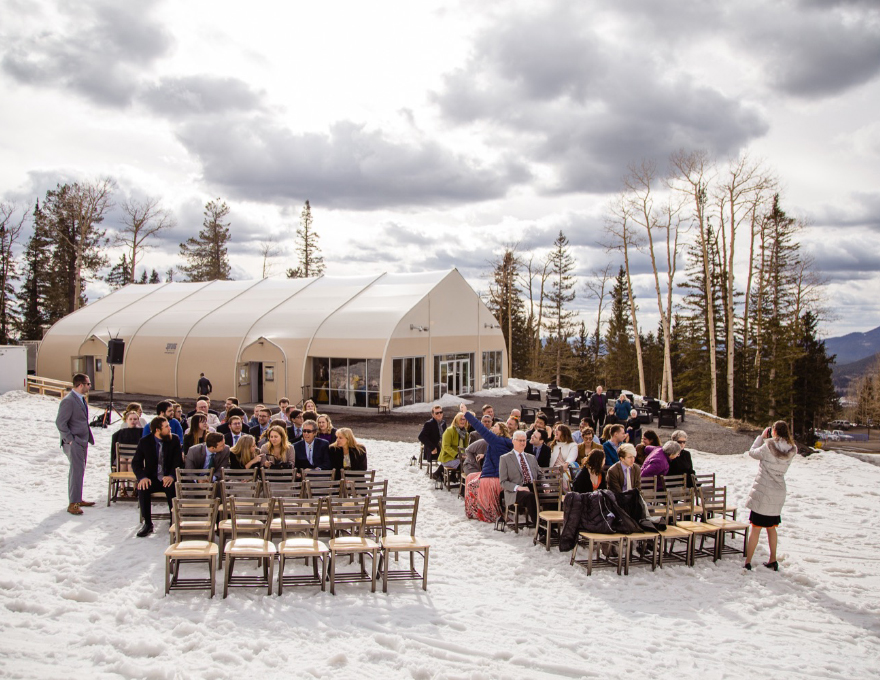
[146, 530]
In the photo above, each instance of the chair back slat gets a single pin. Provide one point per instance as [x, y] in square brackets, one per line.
[228, 474]
[325, 475]
[359, 475]
[355, 488]
[124, 454]
[251, 509]
[548, 492]
[321, 488]
[674, 481]
[305, 512]
[708, 479]
[194, 518]
[205, 475]
[400, 511]
[347, 515]
[713, 499]
[285, 490]
[656, 501]
[194, 490]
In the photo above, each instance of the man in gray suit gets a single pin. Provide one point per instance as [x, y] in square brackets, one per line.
[516, 472]
[76, 435]
[212, 454]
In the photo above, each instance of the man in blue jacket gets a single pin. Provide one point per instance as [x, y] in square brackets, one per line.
[166, 410]
[616, 436]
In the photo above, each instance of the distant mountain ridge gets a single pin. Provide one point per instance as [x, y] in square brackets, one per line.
[854, 346]
[846, 374]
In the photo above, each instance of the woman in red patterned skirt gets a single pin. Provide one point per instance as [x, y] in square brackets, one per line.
[482, 498]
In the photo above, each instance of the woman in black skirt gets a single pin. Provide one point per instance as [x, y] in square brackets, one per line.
[774, 449]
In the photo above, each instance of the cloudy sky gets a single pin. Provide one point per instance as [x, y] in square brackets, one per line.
[427, 135]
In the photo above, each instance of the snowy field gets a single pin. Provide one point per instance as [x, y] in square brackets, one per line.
[82, 597]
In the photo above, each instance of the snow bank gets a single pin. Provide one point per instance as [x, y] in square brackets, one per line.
[82, 597]
[446, 401]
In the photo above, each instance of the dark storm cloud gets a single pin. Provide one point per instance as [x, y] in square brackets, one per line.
[350, 167]
[100, 54]
[863, 210]
[822, 50]
[200, 94]
[564, 95]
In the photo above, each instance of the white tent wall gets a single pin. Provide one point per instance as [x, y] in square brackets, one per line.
[262, 338]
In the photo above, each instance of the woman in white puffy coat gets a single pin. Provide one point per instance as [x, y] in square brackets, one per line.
[774, 449]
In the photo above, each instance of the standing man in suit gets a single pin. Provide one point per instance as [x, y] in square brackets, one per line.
[516, 472]
[598, 408]
[204, 387]
[155, 464]
[309, 452]
[72, 422]
[213, 453]
[432, 432]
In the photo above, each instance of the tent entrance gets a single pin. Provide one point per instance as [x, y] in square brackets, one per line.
[455, 375]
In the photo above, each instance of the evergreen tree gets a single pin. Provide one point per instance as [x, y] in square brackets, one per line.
[143, 278]
[814, 396]
[207, 256]
[120, 274]
[32, 307]
[10, 229]
[311, 262]
[154, 277]
[558, 320]
[620, 358]
[508, 308]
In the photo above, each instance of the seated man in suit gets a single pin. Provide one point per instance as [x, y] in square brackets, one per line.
[283, 406]
[264, 415]
[235, 430]
[213, 453]
[235, 411]
[625, 474]
[538, 448]
[516, 472]
[310, 452]
[155, 464]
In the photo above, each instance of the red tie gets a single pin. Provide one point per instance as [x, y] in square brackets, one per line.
[527, 478]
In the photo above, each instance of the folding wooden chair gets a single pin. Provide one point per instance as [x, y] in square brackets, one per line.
[634, 539]
[231, 475]
[680, 498]
[349, 517]
[268, 475]
[714, 502]
[403, 511]
[548, 496]
[121, 475]
[203, 491]
[319, 475]
[251, 517]
[229, 491]
[194, 521]
[203, 476]
[300, 525]
[704, 531]
[323, 488]
[593, 541]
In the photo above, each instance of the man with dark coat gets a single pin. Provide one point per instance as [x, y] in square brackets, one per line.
[311, 453]
[431, 435]
[234, 431]
[155, 464]
[598, 408]
[204, 387]
[538, 448]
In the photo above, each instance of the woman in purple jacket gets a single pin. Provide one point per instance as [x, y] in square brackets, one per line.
[657, 462]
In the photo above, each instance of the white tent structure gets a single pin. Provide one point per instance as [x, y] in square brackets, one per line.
[343, 341]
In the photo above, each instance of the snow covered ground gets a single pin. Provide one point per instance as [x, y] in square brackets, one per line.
[83, 597]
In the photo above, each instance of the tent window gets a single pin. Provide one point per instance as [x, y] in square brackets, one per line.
[346, 382]
[408, 381]
[492, 369]
[453, 374]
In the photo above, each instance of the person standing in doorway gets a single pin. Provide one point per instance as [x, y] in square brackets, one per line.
[76, 435]
[204, 388]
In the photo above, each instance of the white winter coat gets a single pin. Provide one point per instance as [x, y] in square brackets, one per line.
[768, 492]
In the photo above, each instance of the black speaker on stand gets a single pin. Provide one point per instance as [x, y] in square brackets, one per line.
[115, 355]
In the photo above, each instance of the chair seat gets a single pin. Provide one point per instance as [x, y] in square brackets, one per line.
[127, 476]
[394, 543]
[191, 524]
[301, 546]
[250, 547]
[551, 515]
[352, 544]
[242, 524]
[192, 549]
[601, 537]
[698, 527]
[374, 521]
[727, 524]
[642, 535]
[674, 532]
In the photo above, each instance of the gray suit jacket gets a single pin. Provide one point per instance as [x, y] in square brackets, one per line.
[195, 457]
[510, 474]
[73, 422]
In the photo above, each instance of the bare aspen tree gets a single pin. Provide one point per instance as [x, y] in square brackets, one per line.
[640, 184]
[619, 226]
[269, 250]
[742, 187]
[141, 220]
[540, 272]
[89, 201]
[595, 286]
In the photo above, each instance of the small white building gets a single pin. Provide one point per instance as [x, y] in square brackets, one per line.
[13, 368]
[342, 341]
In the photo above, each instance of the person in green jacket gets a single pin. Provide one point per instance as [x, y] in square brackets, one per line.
[455, 440]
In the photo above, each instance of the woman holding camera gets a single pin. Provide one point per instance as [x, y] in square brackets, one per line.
[774, 448]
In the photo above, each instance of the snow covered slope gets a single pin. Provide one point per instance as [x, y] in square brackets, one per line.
[82, 597]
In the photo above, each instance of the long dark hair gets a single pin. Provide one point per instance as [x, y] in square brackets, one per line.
[596, 461]
[780, 429]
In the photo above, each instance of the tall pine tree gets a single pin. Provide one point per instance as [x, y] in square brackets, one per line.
[207, 257]
[508, 308]
[620, 357]
[310, 260]
[558, 318]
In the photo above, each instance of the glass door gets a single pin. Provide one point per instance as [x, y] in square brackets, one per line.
[455, 375]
